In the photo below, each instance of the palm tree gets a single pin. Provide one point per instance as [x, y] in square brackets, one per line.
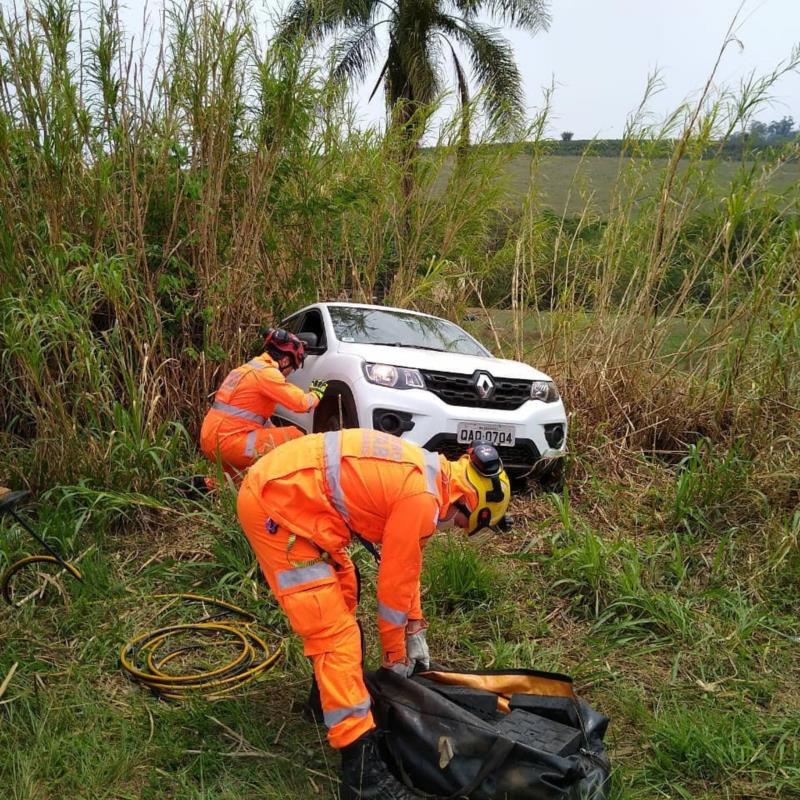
[423, 35]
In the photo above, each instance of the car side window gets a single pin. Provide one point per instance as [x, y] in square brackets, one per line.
[293, 324]
[313, 324]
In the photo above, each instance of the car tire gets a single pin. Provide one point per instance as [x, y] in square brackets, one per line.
[520, 484]
[327, 416]
[553, 479]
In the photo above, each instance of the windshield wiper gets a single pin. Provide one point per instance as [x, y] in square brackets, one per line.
[415, 346]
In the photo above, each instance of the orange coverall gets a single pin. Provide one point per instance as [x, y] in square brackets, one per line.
[299, 507]
[236, 428]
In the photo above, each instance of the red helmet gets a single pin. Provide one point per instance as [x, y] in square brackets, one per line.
[279, 343]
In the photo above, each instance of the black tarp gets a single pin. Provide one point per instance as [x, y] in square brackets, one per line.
[445, 750]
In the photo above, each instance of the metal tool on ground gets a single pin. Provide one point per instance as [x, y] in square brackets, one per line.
[146, 658]
[8, 501]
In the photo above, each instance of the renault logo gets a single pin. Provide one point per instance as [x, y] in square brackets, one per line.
[484, 385]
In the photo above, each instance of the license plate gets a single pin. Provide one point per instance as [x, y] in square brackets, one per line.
[475, 432]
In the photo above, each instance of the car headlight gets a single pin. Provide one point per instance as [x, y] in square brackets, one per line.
[395, 377]
[545, 391]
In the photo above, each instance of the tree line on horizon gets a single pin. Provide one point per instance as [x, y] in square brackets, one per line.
[757, 138]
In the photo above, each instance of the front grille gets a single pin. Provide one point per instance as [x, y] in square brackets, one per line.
[523, 455]
[459, 390]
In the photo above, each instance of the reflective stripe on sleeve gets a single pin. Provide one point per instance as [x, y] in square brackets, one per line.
[391, 615]
[289, 578]
[333, 472]
[235, 411]
[432, 466]
[250, 444]
[340, 714]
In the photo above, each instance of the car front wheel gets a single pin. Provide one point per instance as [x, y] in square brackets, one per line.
[333, 415]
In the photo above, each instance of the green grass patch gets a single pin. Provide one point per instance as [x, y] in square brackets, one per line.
[458, 576]
[680, 638]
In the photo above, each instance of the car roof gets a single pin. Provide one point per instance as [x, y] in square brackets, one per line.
[364, 306]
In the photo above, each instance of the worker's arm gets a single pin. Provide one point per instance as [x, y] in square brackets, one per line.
[277, 388]
[410, 521]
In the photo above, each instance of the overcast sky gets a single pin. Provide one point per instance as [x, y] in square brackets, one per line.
[599, 53]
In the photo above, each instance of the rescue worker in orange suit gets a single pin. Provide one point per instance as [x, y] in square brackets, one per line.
[300, 507]
[237, 428]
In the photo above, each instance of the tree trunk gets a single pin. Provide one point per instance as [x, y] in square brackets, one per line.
[408, 134]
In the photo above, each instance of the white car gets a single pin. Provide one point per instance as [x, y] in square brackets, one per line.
[427, 380]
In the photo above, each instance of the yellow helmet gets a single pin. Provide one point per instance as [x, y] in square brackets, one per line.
[480, 472]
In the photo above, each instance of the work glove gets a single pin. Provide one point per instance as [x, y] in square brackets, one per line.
[317, 388]
[404, 668]
[417, 644]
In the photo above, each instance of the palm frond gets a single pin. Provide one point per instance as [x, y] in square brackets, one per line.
[461, 76]
[355, 55]
[494, 67]
[463, 96]
[530, 15]
[316, 19]
[380, 80]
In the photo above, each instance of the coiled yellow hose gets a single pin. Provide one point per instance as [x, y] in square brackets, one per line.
[142, 660]
[17, 566]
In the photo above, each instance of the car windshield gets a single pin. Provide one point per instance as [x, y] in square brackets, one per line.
[396, 329]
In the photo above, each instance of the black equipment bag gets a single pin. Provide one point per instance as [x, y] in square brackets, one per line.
[443, 735]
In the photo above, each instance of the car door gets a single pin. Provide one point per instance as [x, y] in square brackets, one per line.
[314, 368]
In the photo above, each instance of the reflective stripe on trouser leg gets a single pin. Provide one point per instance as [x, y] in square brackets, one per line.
[232, 447]
[338, 715]
[391, 615]
[344, 697]
[292, 578]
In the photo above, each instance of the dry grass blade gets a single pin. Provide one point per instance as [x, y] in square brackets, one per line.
[247, 750]
[7, 680]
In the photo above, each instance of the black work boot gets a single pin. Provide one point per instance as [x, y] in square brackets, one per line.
[312, 710]
[365, 776]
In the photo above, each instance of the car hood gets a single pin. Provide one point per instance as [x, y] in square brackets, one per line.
[442, 362]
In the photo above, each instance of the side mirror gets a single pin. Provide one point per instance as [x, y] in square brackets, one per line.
[310, 339]
[312, 343]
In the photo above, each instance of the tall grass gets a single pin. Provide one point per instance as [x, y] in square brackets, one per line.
[675, 315]
[157, 208]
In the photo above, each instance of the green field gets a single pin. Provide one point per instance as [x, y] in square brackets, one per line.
[669, 594]
[567, 184]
